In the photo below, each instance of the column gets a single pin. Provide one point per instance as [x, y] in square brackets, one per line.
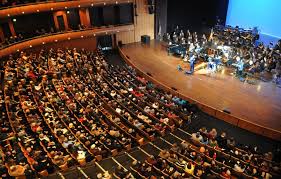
[11, 26]
[85, 17]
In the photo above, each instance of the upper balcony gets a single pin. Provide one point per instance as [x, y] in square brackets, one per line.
[44, 6]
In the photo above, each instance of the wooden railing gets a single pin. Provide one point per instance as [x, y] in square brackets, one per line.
[63, 36]
[54, 6]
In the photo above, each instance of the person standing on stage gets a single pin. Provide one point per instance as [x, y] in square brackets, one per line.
[192, 63]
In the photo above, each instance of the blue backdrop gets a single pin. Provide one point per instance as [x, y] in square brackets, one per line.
[264, 14]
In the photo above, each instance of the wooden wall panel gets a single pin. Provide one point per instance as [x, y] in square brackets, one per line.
[84, 17]
[144, 25]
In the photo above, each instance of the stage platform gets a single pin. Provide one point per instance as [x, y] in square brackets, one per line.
[254, 107]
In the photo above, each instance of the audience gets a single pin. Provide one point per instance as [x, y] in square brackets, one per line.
[69, 107]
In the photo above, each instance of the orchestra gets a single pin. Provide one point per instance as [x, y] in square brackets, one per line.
[226, 46]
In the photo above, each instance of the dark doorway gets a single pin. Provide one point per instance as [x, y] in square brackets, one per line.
[6, 29]
[105, 42]
[61, 23]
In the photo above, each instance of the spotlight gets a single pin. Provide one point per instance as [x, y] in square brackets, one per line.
[67, 12]
[14, 20]
[30, 46]
[38, 10]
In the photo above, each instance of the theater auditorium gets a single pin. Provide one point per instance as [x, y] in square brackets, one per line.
[140, 89]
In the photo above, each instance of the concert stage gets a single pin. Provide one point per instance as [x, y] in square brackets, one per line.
[256, 108]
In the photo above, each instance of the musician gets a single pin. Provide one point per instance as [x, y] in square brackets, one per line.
[239, 67]
[181, 34]
[175, 38]
[192, 62]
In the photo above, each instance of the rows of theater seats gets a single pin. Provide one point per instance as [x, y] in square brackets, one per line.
[64, 108]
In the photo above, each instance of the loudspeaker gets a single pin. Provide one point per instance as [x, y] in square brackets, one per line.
[120, 43]
[151, 9]
[145, 39]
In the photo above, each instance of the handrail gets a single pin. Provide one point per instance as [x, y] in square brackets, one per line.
[62, 32]
[64, 36]
[31, 3]
[30, 8]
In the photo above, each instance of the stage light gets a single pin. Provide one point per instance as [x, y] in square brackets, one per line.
[116, 2]
[94, 34]
[14, 20]
[104, 3]
[38, 10]
[22, 12]
[18, 50]
[79, 6]
[68, 38]
[52, 9]
[8, 15]
[65, 7]
[30, 46]
[43, 43]
[92, 5]
[56, 40]
[67, 12]
[82, 36]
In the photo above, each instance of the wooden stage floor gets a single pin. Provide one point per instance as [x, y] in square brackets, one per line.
[258, 104]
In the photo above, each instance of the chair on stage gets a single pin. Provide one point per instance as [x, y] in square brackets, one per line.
[179, 68]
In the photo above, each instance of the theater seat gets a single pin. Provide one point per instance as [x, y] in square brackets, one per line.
[44, 173]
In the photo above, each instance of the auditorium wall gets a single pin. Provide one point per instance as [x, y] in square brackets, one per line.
[143, 23]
